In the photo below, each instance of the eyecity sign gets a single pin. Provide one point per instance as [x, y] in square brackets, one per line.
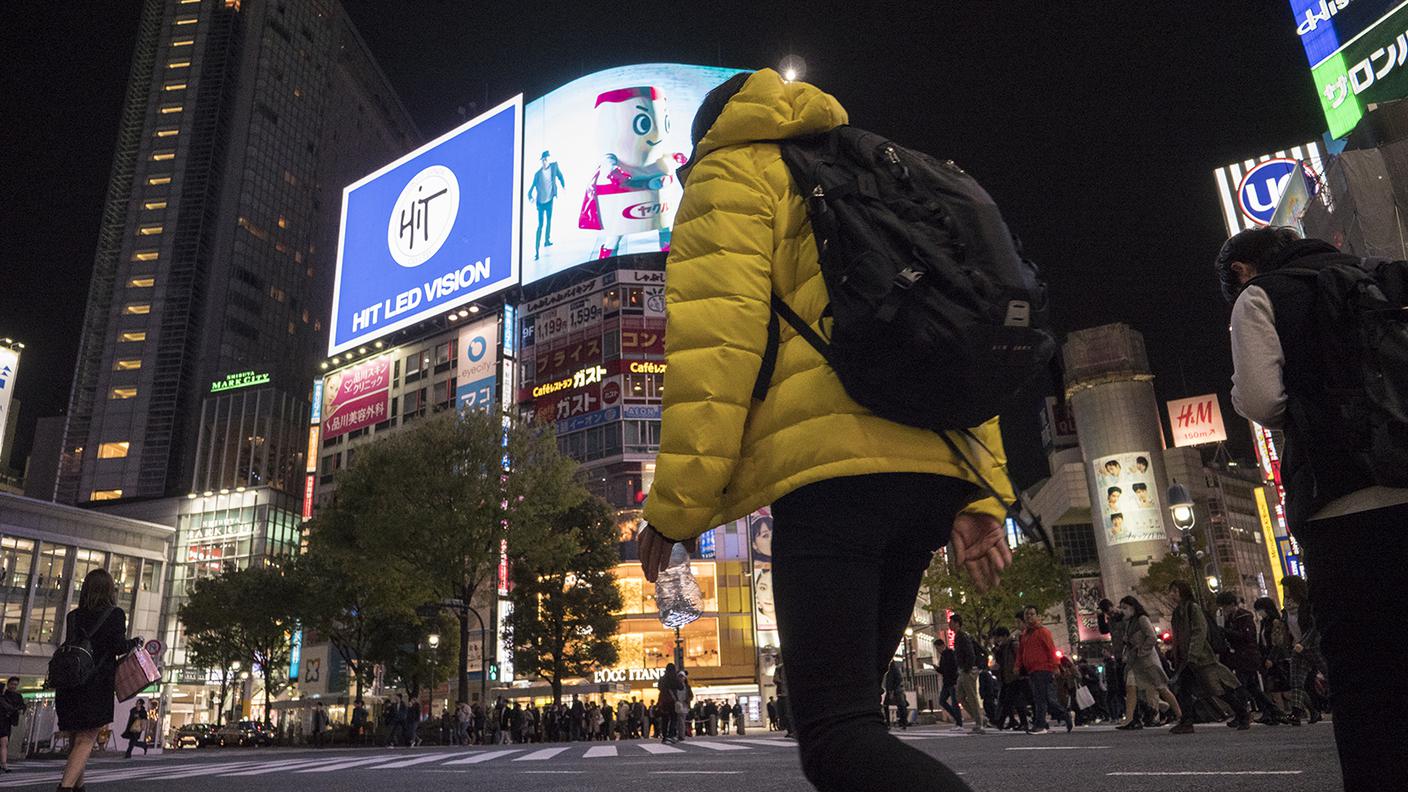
[240, 379]
[433, 230]
[627, 674]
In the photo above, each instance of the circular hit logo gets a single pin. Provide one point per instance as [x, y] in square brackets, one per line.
[423, 216]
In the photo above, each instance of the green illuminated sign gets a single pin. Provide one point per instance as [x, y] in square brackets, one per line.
[1372, 67]
[240, 379]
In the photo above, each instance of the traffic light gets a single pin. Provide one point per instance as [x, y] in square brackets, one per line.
[493, 672]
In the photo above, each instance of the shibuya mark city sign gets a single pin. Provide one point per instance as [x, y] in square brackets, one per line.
[240, 379]
[1358, 54]
[433, 230]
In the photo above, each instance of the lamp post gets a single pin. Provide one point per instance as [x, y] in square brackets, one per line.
[1184, 518]
[909, 655]
[433, 640]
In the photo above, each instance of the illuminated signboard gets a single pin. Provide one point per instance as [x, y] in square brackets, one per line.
[1355, 50]
[9, 367]
[240, 379]
[433, 230]
[600, 160]
[1250, 190]
[357, 397]
[317, 416]
[1196, 421]
[478, 366]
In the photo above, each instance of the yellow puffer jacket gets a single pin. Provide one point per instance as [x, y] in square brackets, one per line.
[741, 233]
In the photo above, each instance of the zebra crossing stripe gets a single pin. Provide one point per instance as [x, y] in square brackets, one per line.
[716, 746]
[278, 767]
[192, 771]
[435, 757]
[770, 743]
[486, 756]
[538, 756]
[342, 765]
[659, 748]
[600, 751]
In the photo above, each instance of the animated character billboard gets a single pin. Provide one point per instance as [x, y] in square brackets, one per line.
[614, 141]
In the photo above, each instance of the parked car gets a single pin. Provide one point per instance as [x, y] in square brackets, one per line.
[194, 735]
[244, 733]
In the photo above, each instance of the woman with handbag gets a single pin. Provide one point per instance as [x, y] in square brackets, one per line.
[85, 708]
[136, 726]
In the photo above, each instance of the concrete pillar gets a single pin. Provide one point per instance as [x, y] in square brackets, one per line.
[1111, 392]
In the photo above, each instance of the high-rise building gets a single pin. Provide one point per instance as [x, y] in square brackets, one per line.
[211, 283]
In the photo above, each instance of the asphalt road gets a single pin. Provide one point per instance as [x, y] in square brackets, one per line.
[1215, 759]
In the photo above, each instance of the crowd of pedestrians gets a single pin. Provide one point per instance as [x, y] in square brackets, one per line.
[668, 718]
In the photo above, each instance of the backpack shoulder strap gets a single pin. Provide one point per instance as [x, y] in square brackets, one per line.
[782, 309]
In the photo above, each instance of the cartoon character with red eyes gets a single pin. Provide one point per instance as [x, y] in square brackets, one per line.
[628, 194]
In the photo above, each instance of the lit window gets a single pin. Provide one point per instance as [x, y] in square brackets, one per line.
[168, 132]
[157, 181]
[183, 42]
[174, 87]
[149, 230]
[154, 205]
[278, 294]
[133, 335]
[100, 495]
[186, 21]
[128, 364]
[113, 450]
[160, 156]
[283, 222]
[145, 255]
[122, 393]
[142, 282]
[178, 64]
[137, 309]
[169, 109]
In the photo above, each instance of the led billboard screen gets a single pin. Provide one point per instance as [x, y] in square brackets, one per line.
[1356, 54]
[435, 229]
[600, 158]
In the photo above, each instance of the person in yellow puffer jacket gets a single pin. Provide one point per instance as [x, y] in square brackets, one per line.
[860, 503]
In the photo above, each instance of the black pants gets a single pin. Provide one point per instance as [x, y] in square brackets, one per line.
[1252, 682]
[848, 556]
[1357, 566]
[1012, 703]
[948, 699]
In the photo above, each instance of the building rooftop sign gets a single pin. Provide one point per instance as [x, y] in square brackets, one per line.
[239, 379]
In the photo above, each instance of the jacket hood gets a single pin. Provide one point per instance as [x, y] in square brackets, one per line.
[769, 108]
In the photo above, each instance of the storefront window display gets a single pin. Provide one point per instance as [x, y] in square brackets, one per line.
[645, 643]
[638, 595]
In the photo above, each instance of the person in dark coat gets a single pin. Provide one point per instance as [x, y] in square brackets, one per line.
[671, 688]
[136, 724]
[1242, 655]
[11, 705]
[85, 709]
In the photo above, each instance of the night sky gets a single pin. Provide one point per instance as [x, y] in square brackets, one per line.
[1097, 132]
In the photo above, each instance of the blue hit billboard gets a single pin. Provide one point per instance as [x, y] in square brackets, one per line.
[433, 230]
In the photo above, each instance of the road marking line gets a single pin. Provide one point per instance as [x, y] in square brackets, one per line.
[540, 755]
[1056, 748]
[600, 751]
[715, 746]
[486, 756]
[553, 772]
[695, 772]
[1208, 773]
[659, 748]
[770, 743]
[343, 765]
[278, 767]
[435, 757]
[210, 769]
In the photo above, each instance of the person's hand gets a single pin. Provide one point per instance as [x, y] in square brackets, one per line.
[1299, 648]
[980, 545]
[655, 551]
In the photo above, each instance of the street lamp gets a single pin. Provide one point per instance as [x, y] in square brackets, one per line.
[793, 68]
[1180, 506]
[909, 655]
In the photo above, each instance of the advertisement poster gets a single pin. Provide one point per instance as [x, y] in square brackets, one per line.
[760, 544]
[1128, 498]
[433, 230]
[9, 367]
[1196, 421]
[601, 155]
[478, 365]
[1086, 594]
[357, 397]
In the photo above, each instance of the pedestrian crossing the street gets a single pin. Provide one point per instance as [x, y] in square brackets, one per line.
[182, 767]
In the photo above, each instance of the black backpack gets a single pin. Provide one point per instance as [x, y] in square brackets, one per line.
[73, 663]
[1217, 636]
[935, 318]
[1364, 355]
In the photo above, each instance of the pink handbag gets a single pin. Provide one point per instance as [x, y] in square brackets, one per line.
[135, 673]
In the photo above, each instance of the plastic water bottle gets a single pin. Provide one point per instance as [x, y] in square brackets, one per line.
[677, 592]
